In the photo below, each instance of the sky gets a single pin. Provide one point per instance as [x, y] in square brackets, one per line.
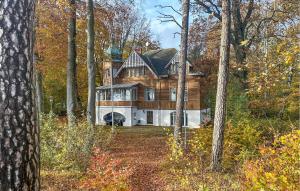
[164, 32]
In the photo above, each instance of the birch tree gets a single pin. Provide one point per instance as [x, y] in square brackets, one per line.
[19, 133]
[91, 64]
[39, 92]
[71, 67]
[182, 70]
[219, 120]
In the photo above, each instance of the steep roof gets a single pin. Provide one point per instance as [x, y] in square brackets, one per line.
[158, 59]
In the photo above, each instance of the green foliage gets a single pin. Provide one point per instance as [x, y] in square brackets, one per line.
[278, 166]
[64, 148]
[53, 143]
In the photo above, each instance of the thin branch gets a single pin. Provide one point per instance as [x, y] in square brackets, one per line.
[208, 9]
[215, 6]
[163, 18]
[249, 12]
[168, 6]
[176, 33]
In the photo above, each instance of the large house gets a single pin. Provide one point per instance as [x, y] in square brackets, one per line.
[144, 91]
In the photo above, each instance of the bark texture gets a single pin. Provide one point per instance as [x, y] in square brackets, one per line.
[71, 67]
[39, 92]
[91, 64]
[19, 133]
[220, 110]
[241, 14]
[182, 70]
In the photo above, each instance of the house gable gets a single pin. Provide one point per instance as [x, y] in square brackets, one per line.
[134, 61]
[172, 66]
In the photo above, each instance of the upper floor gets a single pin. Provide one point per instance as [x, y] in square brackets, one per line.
[149, 80]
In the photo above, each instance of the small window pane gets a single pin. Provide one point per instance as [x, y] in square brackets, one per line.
[149, 94]
[173, 94]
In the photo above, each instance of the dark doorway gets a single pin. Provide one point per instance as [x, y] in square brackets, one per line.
[150, 117]
[119, 119]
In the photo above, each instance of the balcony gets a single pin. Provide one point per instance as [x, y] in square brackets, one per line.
[121, 93]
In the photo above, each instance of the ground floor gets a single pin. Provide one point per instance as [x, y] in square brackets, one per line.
[131, 116]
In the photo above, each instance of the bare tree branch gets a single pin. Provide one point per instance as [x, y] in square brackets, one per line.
[168, 6]
[163, 18]
[208, 9]
[249, 12]
[176, 33]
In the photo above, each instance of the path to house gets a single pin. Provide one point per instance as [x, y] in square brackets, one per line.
[144, 149]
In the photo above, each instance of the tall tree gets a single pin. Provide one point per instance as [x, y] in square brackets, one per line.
[241, 17]
[91, 63]
[39, 91]
[19, 137]
[182, 69]
[71, 67]
[220, 110]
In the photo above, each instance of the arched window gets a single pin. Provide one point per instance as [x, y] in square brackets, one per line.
[173, 119]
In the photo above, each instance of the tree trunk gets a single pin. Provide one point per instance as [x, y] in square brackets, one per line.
[239, 36]
[39, 92]
[71, 68]
[219, 121]
[91, 64]
[19, 133]
[182, 70]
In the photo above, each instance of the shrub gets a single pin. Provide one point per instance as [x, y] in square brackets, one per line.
[53, 143]
[278, 166]
[189, 170]
[63, 147]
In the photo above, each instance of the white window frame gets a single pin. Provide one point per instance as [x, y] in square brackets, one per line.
[185, 119]
[172, 90]
[149, 90]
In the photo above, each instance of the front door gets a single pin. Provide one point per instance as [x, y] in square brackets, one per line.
[150, 117]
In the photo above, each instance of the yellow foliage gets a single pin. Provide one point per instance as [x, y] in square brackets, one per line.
[278, 167]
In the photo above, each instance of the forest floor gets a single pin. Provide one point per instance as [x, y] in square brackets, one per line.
[143, 149]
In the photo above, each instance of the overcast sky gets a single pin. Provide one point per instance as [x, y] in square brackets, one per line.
[164, 32]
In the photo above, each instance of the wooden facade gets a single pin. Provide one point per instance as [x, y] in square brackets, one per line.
[147, 77]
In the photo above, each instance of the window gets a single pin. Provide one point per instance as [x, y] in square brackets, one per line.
[102, 95]
[119, 94]
[173, 119]
[149, 94]
[105, 95]
[107, 73]
[133, 95]
[186, 94]
[127, 94]
[173, 94]
[135, 72]
[98, 94]
[174, 68]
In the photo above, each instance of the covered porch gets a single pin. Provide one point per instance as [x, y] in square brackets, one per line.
[117, 92]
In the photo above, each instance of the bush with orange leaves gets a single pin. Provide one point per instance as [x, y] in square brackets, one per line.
[105, 173]
[278, 168]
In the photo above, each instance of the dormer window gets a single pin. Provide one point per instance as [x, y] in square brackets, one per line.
[174, 68]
